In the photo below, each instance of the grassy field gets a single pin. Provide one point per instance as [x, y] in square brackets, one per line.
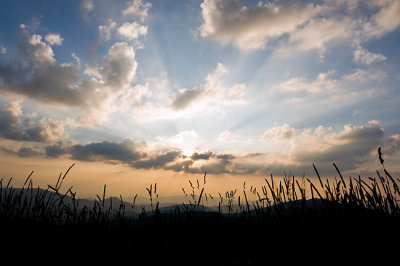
[293, 218]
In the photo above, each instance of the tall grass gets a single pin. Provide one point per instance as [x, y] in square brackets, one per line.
[276, 200]
[245, 223]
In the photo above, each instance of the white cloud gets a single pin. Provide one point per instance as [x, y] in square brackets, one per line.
[119, 66]
[87, 5]
[105, 30]
[132, 30]
[3, 50]
[186, 141]
[350, 147]
[365, 57]
[315, 35]
[362, 75]
[134, 96]
[92, 71]
[137, 8]
[385, 20]
[117, 74]
[228, 136]
[223, 136]
[250, 28]
[41, 78]
[279, 133]
[299, 27]
[54, 39]
[211, 91]
[321, 84]
[36, 51]
[393, 145]
[77, 60]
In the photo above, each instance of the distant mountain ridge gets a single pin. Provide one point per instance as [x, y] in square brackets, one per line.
[128, 209]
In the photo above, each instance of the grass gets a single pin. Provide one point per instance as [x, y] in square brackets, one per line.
[247, 225]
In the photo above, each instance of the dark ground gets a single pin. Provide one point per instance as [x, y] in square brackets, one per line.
[204, 239]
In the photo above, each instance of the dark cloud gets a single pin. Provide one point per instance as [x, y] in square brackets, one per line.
[158, 161]
[180, 166]
[216, 167]
[24, 152]
[9, 121]
[226, 157]
[125, 151]
[202, 156]
[56, 150]
[185, 98]
[253, 155]
[13, 127]
[36, 75]
[349, 148]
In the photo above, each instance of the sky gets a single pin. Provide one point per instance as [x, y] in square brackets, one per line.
[138, 92]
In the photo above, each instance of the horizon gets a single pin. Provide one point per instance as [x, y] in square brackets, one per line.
[142, 92]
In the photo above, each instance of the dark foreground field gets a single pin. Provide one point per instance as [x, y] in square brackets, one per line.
[341, 220]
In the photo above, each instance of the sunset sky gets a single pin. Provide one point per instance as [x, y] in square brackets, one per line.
[137, 92]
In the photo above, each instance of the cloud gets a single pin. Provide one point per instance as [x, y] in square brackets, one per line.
[119, 66]
[186, 97]
[23, 152]
[137, 8]
[125, 151]
[365, 57]
[297, 27]
[211, 91]
[315, 35]
[136, 155]
[105, 30]
[250, 27]
[184, 140]
[278, 133]
[87, 5]
[202, 156]
[132, 30]
[349, 147]
[36, 74]
[297, 84]
[36, 52]
[208, 162]
[54, 39]
[385, 20]
[225, 136]
[58, 149]
[77, 60]
[13, 127]
[3, 50]
[393, 145]
[362, 75]
[135, 97]
[158, 161]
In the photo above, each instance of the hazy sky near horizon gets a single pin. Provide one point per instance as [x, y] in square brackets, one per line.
[179, 88]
